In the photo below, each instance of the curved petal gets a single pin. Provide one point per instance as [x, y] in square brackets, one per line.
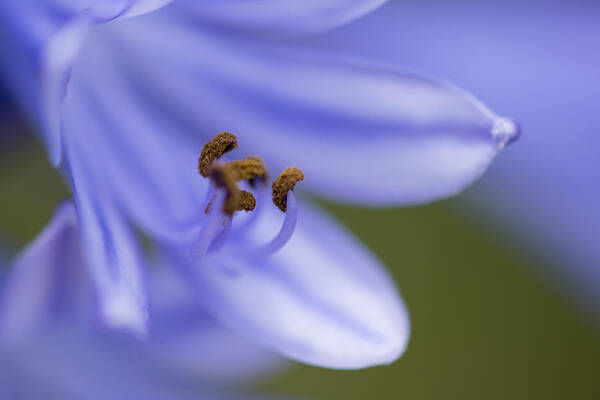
[111, 251]
[190, 343]
[543, 193]
[115, 264]
[73, 364]
[34, 290]
[186, 341]
[45, 37]
[135, 154]
[361, 132]
[275, 17]
[323, 299]
[47, 294]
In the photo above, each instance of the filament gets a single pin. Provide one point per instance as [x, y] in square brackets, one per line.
[221, 238]
[284, 235]
[252, 217]
[210, 228]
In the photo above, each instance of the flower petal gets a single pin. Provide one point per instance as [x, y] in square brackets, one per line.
[45, 39]
[115, 264]
[323, 299]
[275, 17]
[34, 290]
[47, 294]
[544, 193]
[361, 132]
[136, 155]
[111, 251]
[72, 364]
[186, 341]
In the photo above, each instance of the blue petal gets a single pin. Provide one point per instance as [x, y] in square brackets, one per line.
[115, 264]
[72, 364]
[275, 17]
[361, 132]
[323, 299]
[545, 191]
[45, 39]
[46, 296]
[33, 292]
[112, 254]
[135, 153]
[185, 340]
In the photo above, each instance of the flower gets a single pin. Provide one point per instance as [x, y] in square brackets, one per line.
[543, 194]
[133, 102]
[49, 348]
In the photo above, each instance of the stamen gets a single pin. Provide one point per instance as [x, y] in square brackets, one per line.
[236, 200]
[209, 230]
[224, 197]
[223, 179]
[251, 219]
[209, 198]
[247, 201]
[285, 183]
[209, 205]
[221, 238]
[284, 235]
[213, 150]
[247, 170]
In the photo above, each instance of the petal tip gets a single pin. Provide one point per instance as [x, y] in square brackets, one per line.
[395, 346]
[120, 313]
[389, 347]
[505, 131]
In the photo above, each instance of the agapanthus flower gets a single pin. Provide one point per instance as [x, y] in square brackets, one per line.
[543, 194]
[50, 349]
[125, 107]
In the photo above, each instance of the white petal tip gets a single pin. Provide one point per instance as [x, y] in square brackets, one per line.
[505, 131]
[120, 313]
[382, 351]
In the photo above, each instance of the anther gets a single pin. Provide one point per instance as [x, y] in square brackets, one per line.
[213, 150]
[283, 184]
[247, 170]
[247, 201]
[225, 180]
[224, 193]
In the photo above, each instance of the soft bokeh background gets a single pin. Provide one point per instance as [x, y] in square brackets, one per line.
[489, 317]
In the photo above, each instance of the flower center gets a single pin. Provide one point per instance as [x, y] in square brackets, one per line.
[224, 197]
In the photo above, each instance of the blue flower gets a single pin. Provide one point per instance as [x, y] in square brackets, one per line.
[49, 348]
[125, 107]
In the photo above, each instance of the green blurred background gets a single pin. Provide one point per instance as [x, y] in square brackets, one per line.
[486, 323]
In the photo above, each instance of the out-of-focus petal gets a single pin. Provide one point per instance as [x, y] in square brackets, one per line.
[115, 264]
[111, 251]
[361, 132]
[138, 156]
[276, 17]
[323, 299]
[46, 301]
[71, 364]
[186, 341]
[34, 291]
[43, 39]
[191, 343]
